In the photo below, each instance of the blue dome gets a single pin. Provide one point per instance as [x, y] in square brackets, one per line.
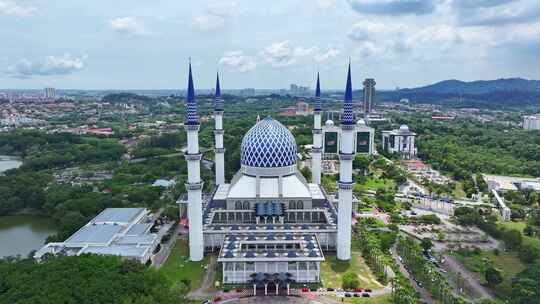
[268, 145]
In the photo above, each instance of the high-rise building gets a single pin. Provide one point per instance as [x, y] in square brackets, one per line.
[297, 90]
[369, 95]
[49, 93]
[531, 122]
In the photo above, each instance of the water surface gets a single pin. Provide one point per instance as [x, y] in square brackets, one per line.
[20, 234]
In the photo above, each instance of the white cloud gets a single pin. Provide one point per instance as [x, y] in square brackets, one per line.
[368, 30]
[331, 52]
[237, 61]
[50, 65]
[222, 8]
[216, 16]
[326, 3]
[284, 54]
[129, 26]
[11, 8]
[208, 22]
[394, 7]
[280, 54]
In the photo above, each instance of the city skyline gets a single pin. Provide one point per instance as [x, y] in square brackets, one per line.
[137, 45]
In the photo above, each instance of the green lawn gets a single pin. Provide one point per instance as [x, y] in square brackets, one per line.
[332, 271]
[375, 184]
[178, 267]
[508, 263]
[527, 240]
[458, 191]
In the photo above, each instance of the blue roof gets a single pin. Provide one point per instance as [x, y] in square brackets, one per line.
[231, 246]
[218, 101]
[308, 237]
[268, 144]
[271, 254]
[289, 237]
[292, 254]
[318, 105]
[347, 115]
[313, 254]
[250, 254]
[270, 237]
[268, 209]
[310, 246]
[251, 237]
[192, 117]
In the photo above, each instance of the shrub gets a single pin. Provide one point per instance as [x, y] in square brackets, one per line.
[350, 280]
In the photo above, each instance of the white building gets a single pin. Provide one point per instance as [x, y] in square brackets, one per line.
[400, 141]
[123, 232]
[531, 122]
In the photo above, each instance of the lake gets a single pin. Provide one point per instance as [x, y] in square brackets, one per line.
[9, 162]
[20, 234]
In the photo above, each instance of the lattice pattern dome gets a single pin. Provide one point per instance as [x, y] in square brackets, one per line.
[268, 145]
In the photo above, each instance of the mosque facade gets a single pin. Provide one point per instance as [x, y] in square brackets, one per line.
[269, 224]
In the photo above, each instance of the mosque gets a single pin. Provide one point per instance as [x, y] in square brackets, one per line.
[269, 225]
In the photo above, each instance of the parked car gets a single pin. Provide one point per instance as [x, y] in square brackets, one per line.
[365, 295]
[367, 290]
[348, 295]
[358, 289]
[357, 295]
[305, 289]
[330, 289]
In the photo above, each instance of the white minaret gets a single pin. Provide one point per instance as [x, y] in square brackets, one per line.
[316, 151]
[345, 184]
[218, 133]
[194, 185]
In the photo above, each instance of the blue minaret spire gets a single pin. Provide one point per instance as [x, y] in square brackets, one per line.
[192, 117]
[347, 115]
[318, 95]
[218, 101]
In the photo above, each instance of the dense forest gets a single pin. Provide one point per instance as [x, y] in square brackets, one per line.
[465, 147]
[85, 279]
[46, 151]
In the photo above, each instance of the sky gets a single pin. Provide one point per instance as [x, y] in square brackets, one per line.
[143, 44]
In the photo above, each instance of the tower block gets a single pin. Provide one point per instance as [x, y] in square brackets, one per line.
[345, 184]
[218, 134]
[194, 184]
[316, 151]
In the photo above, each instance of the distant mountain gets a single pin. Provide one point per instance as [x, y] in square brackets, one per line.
[495, 94]
[480, 86]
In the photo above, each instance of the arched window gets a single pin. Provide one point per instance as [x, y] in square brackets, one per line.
[300, 205]
[246, 205]
[292, 205]
[238, 205]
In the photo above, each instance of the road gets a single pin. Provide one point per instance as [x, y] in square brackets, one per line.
[166, 248]
[204, 292]
[424, 294]
[470, 278]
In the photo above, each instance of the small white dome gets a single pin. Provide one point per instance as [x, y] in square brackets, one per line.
[361, 122]
[404, 128]
[329, 123]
